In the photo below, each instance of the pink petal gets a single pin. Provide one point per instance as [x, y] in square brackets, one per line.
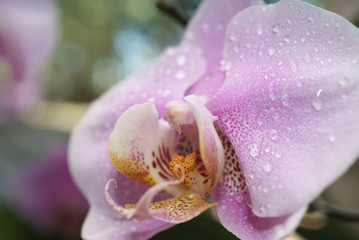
[234, 211]
[43, 194]
[237, 217]
[179, 209]
[140, 211]
[141, 146]
[27, 37]
[210, 145]
[32, 24]
[98, 227]
[290, 102]
[207, 31]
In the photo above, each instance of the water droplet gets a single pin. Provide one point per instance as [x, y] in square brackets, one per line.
[267, 167]
[280, 62]
[180, 75]
[239, 199]
[205, 26]
[236, 49]
[245, 218]
[275, 116]
[278, 155]
[267, 149]
[259, 29]
[181, 60]
[286, 38]
[302, 39]
[225, 65]
[253, 150]
[262, 209]
[271, 51]
[343, 81]
[310, 19]
[166, 93]
[273, 134]
[259, 122]
[276, 28]
[191, 195]
[332, 138]
[285, 100]
[317, 102]
[307, 58]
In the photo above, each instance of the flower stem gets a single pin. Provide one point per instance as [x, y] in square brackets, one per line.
[174, 10]
[333, 211]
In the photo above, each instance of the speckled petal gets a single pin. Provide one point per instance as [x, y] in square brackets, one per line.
[234, 210]
[207, 31]
[237, 217]
[210, 145]
[179, 209]
[290, 102]
[141, 146]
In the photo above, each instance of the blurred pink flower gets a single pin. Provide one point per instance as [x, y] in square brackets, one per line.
[45, 195]
[28, 32]
[266, 96]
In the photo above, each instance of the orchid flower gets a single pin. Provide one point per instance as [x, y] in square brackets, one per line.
[27, 38]
[45, 195]
[257, 107]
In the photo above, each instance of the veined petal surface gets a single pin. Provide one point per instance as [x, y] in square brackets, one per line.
[290, 102]
[207, 31]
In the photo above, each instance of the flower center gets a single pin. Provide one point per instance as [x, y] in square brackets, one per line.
[195, 176]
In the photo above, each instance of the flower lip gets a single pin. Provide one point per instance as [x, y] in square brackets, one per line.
[141, 146]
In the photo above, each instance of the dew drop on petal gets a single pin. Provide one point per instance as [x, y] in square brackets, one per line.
[253, 150]
[317, 102]
[267, 167]
[286, 38]
[271, 51]
[180, 75]
[181, 60]
[276, 28]
[259, 29]
[273, 134]
[239, 199]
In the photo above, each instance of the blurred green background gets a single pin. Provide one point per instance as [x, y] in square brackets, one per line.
[101, 42]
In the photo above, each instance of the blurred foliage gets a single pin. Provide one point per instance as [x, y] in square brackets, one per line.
[103, 41]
